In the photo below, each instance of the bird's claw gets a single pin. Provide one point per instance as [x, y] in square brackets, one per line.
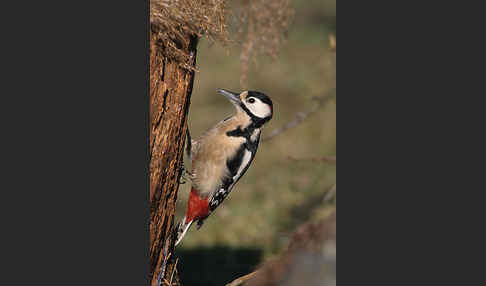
[182, 172]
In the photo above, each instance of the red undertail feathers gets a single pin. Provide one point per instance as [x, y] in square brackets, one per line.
[197, 207]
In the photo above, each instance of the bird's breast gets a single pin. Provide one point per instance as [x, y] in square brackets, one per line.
[209, 162]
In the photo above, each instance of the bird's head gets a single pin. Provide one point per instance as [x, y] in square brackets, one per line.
[257, 105]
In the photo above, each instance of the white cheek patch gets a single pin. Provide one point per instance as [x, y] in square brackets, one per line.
[259, 109]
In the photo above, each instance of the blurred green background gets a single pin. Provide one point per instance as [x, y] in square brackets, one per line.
[276, 194]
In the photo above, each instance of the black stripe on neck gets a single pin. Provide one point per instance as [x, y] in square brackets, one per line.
[255, 120]
[250, 145]
[238, 132]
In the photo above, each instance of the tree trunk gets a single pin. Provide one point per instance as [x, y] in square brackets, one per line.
[170, 93]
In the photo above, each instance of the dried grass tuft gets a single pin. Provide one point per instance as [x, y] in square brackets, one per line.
[261, 26]
[175, 22]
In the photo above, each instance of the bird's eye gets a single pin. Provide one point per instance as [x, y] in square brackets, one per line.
[251, 100]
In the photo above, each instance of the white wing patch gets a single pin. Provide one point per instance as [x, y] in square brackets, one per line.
[244, 162]
[254, 135]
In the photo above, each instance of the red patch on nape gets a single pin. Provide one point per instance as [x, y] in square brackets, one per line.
[197, 207]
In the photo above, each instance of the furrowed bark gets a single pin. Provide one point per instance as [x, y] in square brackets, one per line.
[170, 93]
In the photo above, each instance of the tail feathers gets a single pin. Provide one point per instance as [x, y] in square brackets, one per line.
[197, 209]
[182, 228]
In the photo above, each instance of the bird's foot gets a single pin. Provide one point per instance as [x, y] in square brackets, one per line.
[182, 173]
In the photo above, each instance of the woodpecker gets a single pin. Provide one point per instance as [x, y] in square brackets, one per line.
[223, 154]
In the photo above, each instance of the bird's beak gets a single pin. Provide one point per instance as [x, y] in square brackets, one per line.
[231, 96]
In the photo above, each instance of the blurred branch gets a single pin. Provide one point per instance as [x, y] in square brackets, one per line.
[263, 24]
[312, 249]
[246, 53]
[330, 159]
[300, 116]
[242, 279]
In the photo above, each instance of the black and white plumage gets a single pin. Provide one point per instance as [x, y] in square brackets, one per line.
[223, 154]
